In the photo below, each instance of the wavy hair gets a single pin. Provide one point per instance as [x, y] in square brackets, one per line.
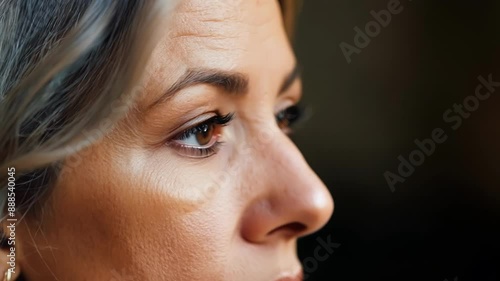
[64, 64]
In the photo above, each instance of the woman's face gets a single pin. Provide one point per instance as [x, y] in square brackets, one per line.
[200, 182]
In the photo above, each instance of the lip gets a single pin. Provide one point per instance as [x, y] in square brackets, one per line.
[299, 276]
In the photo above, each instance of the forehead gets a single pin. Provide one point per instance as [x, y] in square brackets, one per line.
[216, 33]
[223, 15]
[230, 35]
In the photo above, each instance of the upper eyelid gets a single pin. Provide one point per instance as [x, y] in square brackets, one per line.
[200, 119]
[189, 129]
[293, 95]
[227, 118]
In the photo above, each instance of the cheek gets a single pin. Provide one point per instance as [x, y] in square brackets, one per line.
[140, 214]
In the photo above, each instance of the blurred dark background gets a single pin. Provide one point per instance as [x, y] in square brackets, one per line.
[443, 222]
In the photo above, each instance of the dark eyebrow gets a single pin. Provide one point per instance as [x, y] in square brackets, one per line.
[231, 82]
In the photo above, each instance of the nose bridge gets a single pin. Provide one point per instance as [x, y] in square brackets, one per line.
[281, 160]
[274, 155]
[291, 178]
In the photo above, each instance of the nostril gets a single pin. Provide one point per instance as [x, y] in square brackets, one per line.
[292, 228]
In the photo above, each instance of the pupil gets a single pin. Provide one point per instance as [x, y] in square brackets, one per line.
[204, 135]
[293, 113]
[288, 116]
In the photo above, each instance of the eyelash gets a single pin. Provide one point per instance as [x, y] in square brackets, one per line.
[202, 151]
[284, 119]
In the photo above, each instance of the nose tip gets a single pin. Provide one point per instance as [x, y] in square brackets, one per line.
[317, 207]
[289, 212]
[309, 217]
[294, 203]
[310, 205]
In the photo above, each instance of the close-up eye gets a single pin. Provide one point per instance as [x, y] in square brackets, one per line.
[289, 116]
[202, 140]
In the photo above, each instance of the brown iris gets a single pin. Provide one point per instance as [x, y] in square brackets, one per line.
[203, 138]
[205, 134]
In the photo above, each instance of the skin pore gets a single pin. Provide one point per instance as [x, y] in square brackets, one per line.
[199, 182]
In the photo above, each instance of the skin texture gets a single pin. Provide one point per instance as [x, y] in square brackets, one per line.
[136, 208]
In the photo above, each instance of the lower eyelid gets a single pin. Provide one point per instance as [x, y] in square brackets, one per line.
[191, 152]
[212, 142]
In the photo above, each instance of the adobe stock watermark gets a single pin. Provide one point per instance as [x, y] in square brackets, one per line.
[321, 253]
[372, 29]
[453, 116]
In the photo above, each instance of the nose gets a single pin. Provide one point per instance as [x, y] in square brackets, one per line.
[291, 200]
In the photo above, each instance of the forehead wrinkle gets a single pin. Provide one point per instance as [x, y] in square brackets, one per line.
[213, 10]
[193, 45]
[207, 19]
[197, 35]
[191, 26]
